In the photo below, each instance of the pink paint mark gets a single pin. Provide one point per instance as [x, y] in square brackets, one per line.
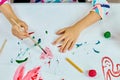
[31, 75]
[48, 55]
[109, 69]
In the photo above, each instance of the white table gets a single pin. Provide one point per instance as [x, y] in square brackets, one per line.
[52, 17]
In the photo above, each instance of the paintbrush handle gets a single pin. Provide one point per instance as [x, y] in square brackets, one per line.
[38, 45]
[3, 45]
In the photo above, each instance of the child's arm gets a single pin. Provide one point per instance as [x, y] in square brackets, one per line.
[10, 15]
[69, 35]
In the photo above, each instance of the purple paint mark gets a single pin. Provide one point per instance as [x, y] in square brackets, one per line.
[49, 54]
[31, 75]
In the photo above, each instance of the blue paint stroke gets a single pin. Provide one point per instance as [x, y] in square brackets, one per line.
[96, 51]
[78, 45]
[98, 42]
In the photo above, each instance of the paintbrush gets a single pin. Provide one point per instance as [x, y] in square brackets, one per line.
[35, 42]
[74, 65]
[3, 45]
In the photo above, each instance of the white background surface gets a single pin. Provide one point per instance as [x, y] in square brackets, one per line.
[52, 17]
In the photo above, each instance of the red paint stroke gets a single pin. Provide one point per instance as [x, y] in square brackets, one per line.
[49, 63]
[31, 75]
[31, 33]
[48, 55]
[109, 69]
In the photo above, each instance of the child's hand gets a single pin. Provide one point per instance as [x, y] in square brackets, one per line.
[68, 37]
[21, 30]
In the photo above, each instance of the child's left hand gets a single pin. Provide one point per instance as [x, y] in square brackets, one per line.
[68, 37]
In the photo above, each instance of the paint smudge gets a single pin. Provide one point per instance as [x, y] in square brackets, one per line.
[85, 42]
[49, 54]
[98, 42]
[21, 61]
[73, 53]
[27, 49]
[58, 61]
[11, 61]
[96, 51]
[18, 43]
[109, 69]
[30, 75]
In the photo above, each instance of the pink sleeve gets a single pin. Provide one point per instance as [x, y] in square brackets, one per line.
[2, 2]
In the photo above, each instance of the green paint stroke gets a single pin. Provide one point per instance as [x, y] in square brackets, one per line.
[21, 61]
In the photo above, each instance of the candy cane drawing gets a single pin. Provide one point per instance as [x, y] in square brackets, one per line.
[109, 69]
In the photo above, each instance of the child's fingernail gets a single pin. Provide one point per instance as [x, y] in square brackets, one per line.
[59, 46]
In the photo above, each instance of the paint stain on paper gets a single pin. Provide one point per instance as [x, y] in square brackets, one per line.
[32, 74]
[49, 54]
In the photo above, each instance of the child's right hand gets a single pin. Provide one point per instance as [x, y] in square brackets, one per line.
[20, 32]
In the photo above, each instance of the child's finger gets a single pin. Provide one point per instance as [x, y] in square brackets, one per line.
[67, 46]
[25, 26]
[61, 31]
[72, 45]
[58, 40]
[63, 45]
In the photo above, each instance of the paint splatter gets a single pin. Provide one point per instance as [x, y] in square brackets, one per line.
[33, 37]
[58, 61]
[49, 63]
[39, 41]
[49, 54]
[96, 51]
[18, 43]
[110, 70]
[30, 75]
[78, 45]
[46, 32]
[21, 61]
[98, 42]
